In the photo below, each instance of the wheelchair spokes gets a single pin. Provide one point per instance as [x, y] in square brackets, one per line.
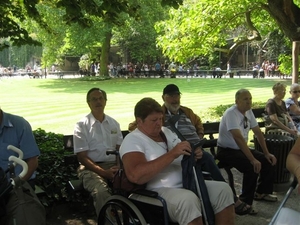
[117, 212]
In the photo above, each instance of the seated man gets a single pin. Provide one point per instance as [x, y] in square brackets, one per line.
[93, 136]
[189, 125]
[16, 131]
[233, 150]
[152, 154]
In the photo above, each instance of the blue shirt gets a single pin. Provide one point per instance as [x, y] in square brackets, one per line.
[16, 131]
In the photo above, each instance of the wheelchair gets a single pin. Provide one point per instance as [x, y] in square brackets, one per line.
[143, 207]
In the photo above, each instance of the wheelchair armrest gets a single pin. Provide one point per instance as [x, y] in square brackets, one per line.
[206, 175]
[148, 193]
[112, 152]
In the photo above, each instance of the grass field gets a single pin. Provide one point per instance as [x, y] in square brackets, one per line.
[57, 104]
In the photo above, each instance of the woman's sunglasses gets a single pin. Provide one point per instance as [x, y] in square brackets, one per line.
[295, 92]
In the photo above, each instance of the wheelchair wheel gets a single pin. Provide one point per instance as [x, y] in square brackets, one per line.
[118, 210]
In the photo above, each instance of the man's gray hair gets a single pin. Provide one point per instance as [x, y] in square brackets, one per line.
[239, 92]
[293, 86]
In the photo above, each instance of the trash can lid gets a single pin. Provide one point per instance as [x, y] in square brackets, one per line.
[278, 137]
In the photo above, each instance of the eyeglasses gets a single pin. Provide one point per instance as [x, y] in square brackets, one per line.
[96, 99]
[295, 92]
[245, 122]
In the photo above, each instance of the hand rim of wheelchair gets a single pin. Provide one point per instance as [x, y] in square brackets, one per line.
[126, 206]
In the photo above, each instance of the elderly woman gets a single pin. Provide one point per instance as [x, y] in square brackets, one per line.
[292, 104]
[152, 154]
[277, 115]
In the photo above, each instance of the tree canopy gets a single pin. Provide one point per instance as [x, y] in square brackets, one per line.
[188, 33]
[74, 11]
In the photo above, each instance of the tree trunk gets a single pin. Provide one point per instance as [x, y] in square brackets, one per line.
[295, 56]
[286, 14]
[105, 52]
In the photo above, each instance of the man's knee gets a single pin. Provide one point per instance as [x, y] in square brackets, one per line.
[206, 157]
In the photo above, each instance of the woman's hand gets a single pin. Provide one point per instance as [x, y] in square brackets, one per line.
[293, 132]
[182, 148]
[198, 153]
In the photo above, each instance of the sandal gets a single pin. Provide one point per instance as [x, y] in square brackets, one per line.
[265, 197]
[253, 211]
[242, 209]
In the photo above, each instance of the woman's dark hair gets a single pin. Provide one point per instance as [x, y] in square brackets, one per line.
[145, 107]
[95, 89]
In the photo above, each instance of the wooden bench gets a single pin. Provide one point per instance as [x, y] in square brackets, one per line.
[211, 129]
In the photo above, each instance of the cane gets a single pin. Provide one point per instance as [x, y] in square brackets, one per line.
[201, 188]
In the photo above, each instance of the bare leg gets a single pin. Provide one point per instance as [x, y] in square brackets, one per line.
[197, 221]
[226, 216]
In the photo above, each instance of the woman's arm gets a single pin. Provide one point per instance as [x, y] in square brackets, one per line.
[280, 125]
[140, 171]
[294, 109]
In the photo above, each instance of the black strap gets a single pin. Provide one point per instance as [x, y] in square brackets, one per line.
[209, 212]
[163, 136]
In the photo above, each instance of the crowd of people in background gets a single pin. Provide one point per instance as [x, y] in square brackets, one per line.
[135, 69]
[266, 69]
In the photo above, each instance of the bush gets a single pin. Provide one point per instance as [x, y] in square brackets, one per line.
[52, 174]
[215, 113]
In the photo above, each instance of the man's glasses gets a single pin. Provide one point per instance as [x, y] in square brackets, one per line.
[245, 122]
[295, 92]
[96, 99]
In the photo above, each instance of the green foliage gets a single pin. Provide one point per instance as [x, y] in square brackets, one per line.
[19, 56]
[53, 175]
[285, 64]
[217, 112]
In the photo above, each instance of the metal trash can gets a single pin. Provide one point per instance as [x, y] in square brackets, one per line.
[279, 146]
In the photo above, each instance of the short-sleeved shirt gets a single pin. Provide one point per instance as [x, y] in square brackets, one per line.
[16, 131]
[273, 108]
[234, 119]
[97, 137]
[136, 141]
[184, 124]
[288, 103]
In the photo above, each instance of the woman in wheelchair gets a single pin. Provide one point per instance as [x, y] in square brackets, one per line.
[152, 154]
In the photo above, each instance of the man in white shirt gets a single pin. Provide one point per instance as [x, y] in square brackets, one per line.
[93, 136]
[233, 150]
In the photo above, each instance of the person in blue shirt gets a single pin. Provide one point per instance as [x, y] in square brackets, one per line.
[16, 131]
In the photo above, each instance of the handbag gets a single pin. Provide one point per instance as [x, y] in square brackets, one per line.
[121, 183]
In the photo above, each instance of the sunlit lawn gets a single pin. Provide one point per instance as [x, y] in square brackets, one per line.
[57, 104]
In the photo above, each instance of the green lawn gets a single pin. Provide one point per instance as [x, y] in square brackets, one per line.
[56, 105]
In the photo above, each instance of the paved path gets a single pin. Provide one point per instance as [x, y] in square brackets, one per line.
[71, 215]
